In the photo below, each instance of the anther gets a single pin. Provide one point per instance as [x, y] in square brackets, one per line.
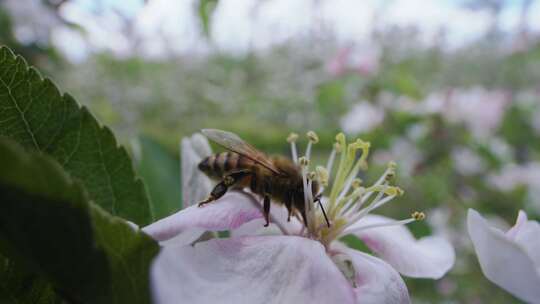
[418, 216]
[322, 175]
[303, 161]
[292, 137]
[356, 183]
[312, 136]
[391, 174]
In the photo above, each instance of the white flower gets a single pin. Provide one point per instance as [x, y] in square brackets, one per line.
[289, 262]
[33, 20]
[513, 175]
[404, 152]
[509, 259]
[480, 110]
[467, 162]
[362, 118]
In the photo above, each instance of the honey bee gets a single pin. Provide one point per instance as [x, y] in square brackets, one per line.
[276, 178]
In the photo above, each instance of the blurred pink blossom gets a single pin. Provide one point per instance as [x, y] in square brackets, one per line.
[355, 59]
[363, 117]
[402, 151]
[512, 176]
[479, 109]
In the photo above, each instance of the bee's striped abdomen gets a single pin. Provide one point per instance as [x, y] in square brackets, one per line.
[218, 164]
[231, 162]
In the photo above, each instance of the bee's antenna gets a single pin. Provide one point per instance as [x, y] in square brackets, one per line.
[318, 199]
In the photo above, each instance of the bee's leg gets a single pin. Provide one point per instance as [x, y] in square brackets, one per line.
[266, 204]
[221, 188]
[304, 217]
[266, 210]
[289, 204]
[318, 199]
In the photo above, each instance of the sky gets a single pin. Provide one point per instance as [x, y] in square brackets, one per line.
[164, 27]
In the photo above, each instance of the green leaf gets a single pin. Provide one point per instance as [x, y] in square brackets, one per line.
[33, 113]
[206, 8]
[49, 222]
[161, 172]
[17, 285]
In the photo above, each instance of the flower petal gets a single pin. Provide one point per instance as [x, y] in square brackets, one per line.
[229, 212]
[267, 269]
[195, 185]
[529, 239]
[428, 257]
[278, 218]
[522, 219]
[376, 281]
[526, 234]
[503, 261]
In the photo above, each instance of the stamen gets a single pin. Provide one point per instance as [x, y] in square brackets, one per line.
[322, 175]
[330, 162]
[381, 180]
[351, 200]
[292, 140]
[313, 139]
[347, 172]
[358, 193]
[348, 197]
[415, 216]
[374, 205]
[360, 164]
[336, 186]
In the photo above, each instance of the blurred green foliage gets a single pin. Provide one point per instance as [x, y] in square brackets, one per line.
[160, 170]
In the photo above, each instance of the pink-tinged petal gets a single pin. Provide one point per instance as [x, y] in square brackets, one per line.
[256, 227]
[428, 257]
[229, 212]
[503, 261]
[265, 269]
[376, 281]
[278, 221]
[195, 185]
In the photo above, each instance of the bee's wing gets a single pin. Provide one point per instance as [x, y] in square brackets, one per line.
[234, 143]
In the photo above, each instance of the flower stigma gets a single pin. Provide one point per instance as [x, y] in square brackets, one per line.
[347, 200]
